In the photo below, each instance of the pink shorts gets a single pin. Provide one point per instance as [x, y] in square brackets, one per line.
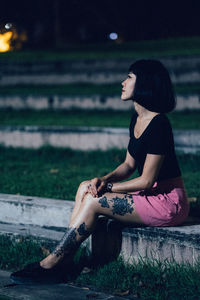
[165, 204]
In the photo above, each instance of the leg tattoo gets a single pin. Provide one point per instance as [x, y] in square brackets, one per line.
[69, 242]
[104, 202]
[120, 206]
[82, 230]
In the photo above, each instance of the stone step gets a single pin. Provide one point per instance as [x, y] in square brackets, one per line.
[46, 219]
[96, 101]
[75, 137]
[103, 77]
[62, 291]
[183, 69]
[176, 63]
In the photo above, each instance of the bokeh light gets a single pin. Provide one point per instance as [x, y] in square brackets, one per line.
[113, 36]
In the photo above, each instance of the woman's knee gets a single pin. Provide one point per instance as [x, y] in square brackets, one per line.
[83, 186]
[90, 201]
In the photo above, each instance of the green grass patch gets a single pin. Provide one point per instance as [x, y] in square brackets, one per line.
[148, 48]
[83, 89]
[51, 172]
[16, 254]
[6, 298]
[56, 173]
[80, 89]
[75, 117]
[147, 279]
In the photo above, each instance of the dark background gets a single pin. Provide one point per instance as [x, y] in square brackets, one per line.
[55, 23]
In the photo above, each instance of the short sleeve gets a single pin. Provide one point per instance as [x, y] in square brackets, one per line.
[159, 139]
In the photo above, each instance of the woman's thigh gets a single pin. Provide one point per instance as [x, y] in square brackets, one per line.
[115, 205]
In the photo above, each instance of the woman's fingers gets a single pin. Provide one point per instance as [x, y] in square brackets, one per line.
[101, 187]
[94, 184]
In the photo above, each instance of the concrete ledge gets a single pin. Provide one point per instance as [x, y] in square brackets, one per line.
[45, 220]
[74, 137]
[181, 244]
[62, 291]
[16, 209]
[182, 69]
[96, 101]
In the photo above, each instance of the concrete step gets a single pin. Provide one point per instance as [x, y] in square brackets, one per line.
[96, 101]
[10, 291]
[187, 141]
[46, 219]
[183, 69]
[100, 77]
[176, 63]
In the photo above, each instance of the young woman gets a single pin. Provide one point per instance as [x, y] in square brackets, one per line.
[155, 198]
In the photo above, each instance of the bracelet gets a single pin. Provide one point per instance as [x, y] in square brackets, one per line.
[109, 187]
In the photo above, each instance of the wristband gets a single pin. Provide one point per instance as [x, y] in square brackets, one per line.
[109, 187]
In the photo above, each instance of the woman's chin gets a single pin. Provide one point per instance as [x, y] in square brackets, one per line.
[125, 98]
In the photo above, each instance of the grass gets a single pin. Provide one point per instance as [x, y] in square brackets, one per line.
[6, 298]
[56, 173]
[148, 279]
[50, 172]
[75, 117]
[83, 89]
[16, 254]
[148, 48]
[80, 89]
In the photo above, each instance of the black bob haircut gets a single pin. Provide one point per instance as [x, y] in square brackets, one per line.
[153, 87]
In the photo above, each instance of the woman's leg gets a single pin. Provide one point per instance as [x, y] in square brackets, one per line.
[81, 192]
[113, 205]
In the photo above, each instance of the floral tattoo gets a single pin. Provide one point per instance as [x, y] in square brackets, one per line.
[120, 206]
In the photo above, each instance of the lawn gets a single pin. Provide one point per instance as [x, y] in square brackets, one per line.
[75, 117]
[83, 89]
[56, 173]
[152, 48]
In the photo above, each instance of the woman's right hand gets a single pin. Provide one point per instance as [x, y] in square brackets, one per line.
[97, 186]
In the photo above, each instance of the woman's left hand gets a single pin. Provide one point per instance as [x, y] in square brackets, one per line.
[97, 186]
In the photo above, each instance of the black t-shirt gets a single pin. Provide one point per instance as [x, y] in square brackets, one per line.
[157, 138]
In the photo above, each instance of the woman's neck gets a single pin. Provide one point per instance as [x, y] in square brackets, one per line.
[144, 113]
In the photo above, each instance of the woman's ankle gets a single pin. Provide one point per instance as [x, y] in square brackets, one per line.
[50, 261]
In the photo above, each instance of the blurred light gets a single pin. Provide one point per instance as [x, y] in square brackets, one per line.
[5, 39]
[113, 36]
[10, 38]
[8, 26]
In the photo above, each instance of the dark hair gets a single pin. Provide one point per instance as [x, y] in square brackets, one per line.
[153, 88]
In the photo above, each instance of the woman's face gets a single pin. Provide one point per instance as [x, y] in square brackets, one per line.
[128, 87]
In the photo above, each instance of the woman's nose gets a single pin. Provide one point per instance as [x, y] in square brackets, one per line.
[123, 83]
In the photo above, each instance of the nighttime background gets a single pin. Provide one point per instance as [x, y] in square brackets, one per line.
[58, 23]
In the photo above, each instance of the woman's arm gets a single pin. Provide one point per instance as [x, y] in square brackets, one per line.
[122, 172]
[149, 175]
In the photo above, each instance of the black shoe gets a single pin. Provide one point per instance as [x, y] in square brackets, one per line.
[34, 274]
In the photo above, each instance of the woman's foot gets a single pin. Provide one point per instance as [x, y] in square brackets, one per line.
[50, 261]
[35, 274]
